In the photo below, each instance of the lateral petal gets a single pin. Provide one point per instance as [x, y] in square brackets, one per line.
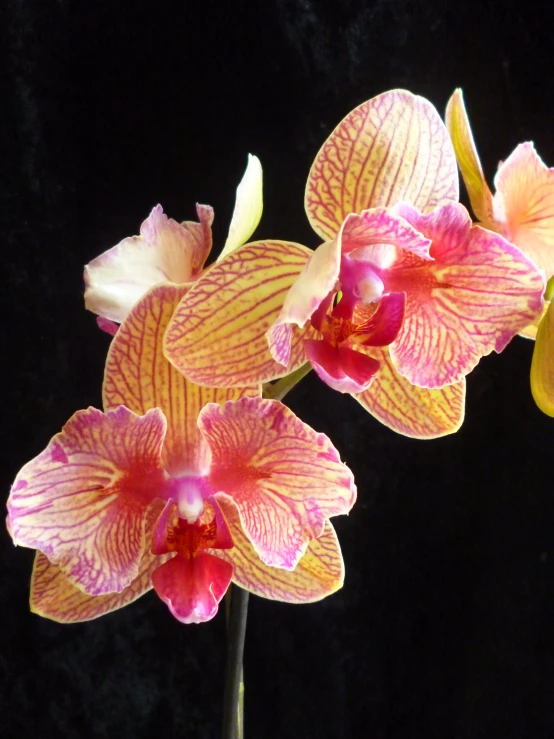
[193, 587]
[319, 573]
[479, 292]
[542, 365]
[525, 204]
[165, 251]
[217, 336]
[83, 501]
[457, 123]
[53, 596]
[284, 477]
[411, 410]
[139, 376]
[393, 147]
[248, 207]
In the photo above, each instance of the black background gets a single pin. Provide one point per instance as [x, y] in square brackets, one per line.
[445, 626]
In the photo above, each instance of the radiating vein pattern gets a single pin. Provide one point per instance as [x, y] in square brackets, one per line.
[391, 148]
[217, 334]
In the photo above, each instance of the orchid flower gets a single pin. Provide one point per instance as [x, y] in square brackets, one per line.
[522, 210]
[166, 251]
[178, 487]
[522, 207]
[398, 303]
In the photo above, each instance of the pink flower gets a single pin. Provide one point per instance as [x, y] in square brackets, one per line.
[177, 487]
[398, 251]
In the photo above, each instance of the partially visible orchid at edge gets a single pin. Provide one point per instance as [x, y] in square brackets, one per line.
[396, 306]
[522, 210]
[180, 488]
[167, 251]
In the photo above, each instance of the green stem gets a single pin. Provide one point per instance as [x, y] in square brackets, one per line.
[233, 699]
[279, 389]
[236, 606]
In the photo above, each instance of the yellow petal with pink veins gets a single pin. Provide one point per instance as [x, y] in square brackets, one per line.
[393, 147]
[542, 365]
[459, 129]
[217, 336]
[524, 202]
[139, 376]
[53, 596]
[319, 573]
[411, 410]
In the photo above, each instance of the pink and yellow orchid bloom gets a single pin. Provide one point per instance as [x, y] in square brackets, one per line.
[423, 294]
[522, 207]
[166, 251]
[178, 487]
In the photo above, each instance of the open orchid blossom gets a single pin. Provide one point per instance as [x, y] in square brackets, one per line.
[522, 207]
[166, 251]
[396, 306]
[467, 291]
[178, 487]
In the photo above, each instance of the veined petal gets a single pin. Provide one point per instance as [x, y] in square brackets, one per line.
[166, 251]
[284, 477]
[411, 410]
[248, 207]
[362, 235]
[542, 365]
[192, 587]
[83, 501]
[459, 129]
[217, 334]
[524, 204]
[473, 299]
[314, 283]
[393, 147]
[139, 376]
[342, 368]
[319, 573]
[53, 596]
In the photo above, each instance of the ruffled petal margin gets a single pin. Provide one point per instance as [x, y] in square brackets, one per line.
[284, 478]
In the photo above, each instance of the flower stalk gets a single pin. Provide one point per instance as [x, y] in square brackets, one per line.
[233, 699]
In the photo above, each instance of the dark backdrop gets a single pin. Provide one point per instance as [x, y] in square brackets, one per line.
[445, 626]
